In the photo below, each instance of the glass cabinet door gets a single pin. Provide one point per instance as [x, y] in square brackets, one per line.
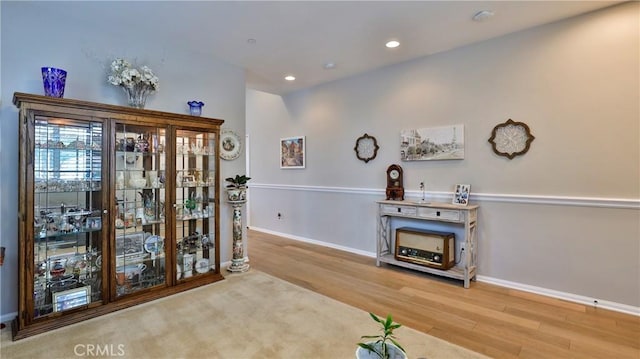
[196, 190]
[68, 207]
[139, 221]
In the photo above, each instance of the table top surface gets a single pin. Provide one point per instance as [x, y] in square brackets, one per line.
[430, 204]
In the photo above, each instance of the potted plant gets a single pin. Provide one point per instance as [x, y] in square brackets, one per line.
[237, 188]
[385, 346]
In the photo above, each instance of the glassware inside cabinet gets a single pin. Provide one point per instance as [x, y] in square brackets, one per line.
[67, 209]
[195, 203]
[139, 221]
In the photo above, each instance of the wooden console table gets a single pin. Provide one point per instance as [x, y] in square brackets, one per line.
[449, 214]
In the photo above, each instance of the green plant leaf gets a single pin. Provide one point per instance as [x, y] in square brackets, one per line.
[387, 327]
[389, 321]
[375, 318]
[398, 345]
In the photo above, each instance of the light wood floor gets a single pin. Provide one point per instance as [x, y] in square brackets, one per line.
[496, 321]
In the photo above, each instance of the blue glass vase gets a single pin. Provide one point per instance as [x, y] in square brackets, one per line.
[53, 80]
[195, 107]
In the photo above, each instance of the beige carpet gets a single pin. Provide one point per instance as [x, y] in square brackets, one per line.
[248, 315]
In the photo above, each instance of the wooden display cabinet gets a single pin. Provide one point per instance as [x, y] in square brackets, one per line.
[118, 206]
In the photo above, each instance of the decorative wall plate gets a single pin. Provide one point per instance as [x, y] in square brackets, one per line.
[511, 139]
[230, 145]
[366, 148]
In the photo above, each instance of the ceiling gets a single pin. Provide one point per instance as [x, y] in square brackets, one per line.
[300, 37]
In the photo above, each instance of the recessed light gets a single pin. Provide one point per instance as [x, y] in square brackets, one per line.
[290, 78]
[392, 44]
[251, 41]
[329, 66]
[482, 15]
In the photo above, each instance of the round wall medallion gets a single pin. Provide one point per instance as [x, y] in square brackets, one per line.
[366, 148]
[511, 139]
[230, 145]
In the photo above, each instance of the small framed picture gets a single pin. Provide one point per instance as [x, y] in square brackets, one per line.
[188, 180]
[292, 152]
[94, 223]
[129, 244]
[71, 298]
[461, 195]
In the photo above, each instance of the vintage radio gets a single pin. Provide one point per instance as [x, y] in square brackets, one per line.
[423, 247]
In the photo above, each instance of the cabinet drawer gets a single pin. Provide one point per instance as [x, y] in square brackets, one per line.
[435, 213]
[403, 210]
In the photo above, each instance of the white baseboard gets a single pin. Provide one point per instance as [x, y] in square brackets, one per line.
[313, 241]
[580, 299]
[7, 318]
[604, 304]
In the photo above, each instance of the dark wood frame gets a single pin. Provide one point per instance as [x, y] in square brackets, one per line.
[375, 148]
[510, 122]
[30, 106]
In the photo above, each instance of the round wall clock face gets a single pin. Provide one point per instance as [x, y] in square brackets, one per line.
[366, 148]
[511, 139]
[394, 174]
[230, 145]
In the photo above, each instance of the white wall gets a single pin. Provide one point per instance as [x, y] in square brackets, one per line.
[562, 218]
[32, 38]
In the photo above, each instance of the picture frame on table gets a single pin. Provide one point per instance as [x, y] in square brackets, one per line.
[293, 152]
[461, 195]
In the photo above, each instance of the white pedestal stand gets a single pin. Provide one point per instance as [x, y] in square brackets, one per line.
[237, 262]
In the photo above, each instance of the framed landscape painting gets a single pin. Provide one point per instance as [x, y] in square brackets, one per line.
[433, 143]
[292, 152]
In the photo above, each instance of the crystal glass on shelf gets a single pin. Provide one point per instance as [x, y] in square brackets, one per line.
[67, 200]
[138, 221]
[195, 217]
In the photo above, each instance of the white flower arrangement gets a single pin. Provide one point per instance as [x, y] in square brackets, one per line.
[122, 74]
[137, 84]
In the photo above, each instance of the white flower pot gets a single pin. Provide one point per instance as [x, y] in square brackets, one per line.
[236, 194]
[394, 352]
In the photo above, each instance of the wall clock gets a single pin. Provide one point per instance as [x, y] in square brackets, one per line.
[395, 187]
[366, 148]
[511, 139]
[230, 145]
